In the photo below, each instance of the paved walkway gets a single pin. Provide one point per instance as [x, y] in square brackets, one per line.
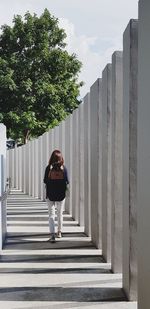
[68, 274]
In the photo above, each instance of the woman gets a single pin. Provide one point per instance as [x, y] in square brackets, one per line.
[56, 180]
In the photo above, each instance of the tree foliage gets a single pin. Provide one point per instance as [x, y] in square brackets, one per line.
[38, 78]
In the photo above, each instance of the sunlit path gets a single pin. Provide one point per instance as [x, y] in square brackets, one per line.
[37, 274]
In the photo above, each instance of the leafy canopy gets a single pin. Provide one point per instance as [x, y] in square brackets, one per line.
[38, 78]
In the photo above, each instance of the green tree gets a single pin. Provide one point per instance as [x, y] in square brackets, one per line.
[38, 78]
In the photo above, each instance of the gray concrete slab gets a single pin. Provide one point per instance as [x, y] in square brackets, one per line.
[96, 113]
[117, 105]
[143, 156]
[130, 100]
[107, 161]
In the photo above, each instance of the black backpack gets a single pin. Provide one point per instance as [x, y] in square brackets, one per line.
[56, 184]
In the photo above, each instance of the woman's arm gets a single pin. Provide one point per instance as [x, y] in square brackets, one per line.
[46, 174]
[66, 175]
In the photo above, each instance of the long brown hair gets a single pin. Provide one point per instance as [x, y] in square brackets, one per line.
[56, 158]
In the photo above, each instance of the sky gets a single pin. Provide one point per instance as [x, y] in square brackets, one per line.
[94, 28]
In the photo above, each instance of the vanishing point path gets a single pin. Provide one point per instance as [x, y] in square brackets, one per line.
[68, 274]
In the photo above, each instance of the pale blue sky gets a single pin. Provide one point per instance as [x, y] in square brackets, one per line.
[94, 28]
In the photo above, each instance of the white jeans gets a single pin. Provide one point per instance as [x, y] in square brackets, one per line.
[51, 211]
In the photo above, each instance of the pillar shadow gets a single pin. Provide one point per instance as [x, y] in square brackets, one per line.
[73, 294]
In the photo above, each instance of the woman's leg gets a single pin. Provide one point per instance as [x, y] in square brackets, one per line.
[51, 212]
[60, 208]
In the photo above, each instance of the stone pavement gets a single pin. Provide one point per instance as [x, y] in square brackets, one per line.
[68, 274]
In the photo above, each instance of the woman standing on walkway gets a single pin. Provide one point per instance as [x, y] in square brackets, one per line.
[56, 180]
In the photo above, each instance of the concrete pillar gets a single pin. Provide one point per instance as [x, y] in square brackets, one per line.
[87, 168]
[44, 148]
[12, 168]
[9, 168]
[20, 168]
[71, 164]
[24, 151]
[117, 105]
[42, 168]
[47, 151]
[50, 144]
[16, 167]
[23, 168]
[27, 178]
[3, 194]
[81, 164]
[24, 148]
[62, 149]
[68, 160]
[130, 75]
[36, 167]
[32, 167]
[7, 163]
[95, 98]
[19, 162]
[143, 156]
[39, 163]
[75, 165]
[52, 141]
[56, 137]
[106, 161]
[44, 163]
[3, 156]
[29, 164]
[62, 138]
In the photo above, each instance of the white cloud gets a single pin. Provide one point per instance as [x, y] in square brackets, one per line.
[93, 62]
[94, 28]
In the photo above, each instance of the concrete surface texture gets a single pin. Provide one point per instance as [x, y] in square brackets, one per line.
[130, 99]
[2, 158]
[70, 273]
[117, 105]
[96, 207]
[3, 189]
[87, 169]
[143, 156]
[106, 182]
